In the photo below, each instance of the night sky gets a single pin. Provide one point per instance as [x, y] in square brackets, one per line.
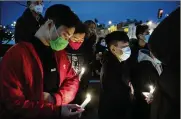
[103, 11]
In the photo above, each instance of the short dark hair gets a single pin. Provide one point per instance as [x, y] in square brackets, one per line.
[114, 37]
[28, 3]
[62, 15]
[80, 28]
[140, 29]
[89, 22]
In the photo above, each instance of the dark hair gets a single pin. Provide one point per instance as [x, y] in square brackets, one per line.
[140, 29]
[28, 3]
[80, 28]
[89, 22]
[114, 37]
[62, 15]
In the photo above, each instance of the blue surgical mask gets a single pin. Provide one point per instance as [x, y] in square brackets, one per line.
[37, 8]
[126, 54]
[147, 38]
[103, 44]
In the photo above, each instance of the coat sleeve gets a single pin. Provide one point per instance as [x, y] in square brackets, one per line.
[69, 87]
[12, 90]
[146, 75]
[20, 30]
[125, 74]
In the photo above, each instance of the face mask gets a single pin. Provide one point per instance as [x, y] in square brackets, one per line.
[147, 38]
[37, 8]
[126, 54]
[103, 44]
[75, 45]
[58, 44]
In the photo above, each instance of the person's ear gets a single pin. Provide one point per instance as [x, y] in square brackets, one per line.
[49, 24]
[112, 48]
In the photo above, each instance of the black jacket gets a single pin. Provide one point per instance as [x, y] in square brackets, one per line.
[166, 103]
[115, 92]
[134, 52]
[26, 26]
[144, 75]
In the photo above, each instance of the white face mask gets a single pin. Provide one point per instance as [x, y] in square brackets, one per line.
[147, 38]
[37, 8]
[103, 44]
[126, 54]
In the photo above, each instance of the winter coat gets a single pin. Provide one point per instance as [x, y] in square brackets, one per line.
[164, 43]
[21, 84]
[115, 92]
[26, 26]
[134, 52]
[145, 74]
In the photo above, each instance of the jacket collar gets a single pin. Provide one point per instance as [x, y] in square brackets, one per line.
[144, 55]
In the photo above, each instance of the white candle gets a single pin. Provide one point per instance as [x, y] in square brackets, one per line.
[82, 71]
[147, 94]
[86, 101]
[152, 89]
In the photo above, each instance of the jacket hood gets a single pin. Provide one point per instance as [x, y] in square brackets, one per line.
[144, 55]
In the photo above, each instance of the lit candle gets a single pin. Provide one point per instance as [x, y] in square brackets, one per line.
[86, 101]
[152, 89]
[83, 70]
[148, 94]
[81, 73]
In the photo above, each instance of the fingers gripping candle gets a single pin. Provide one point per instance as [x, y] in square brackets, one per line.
[86, 101]
[81, 73]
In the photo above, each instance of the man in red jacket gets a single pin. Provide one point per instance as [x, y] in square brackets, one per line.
[36, 77]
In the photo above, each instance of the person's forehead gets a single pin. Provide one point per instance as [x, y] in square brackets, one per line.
[67, 30]
[79, 35]
[103, 40]
[122, 44]
[92, 25]
[37, 1]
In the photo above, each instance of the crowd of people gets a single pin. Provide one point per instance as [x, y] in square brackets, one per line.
[40, 75]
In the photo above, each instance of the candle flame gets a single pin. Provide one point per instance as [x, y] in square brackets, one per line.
[88, 96]
[152, 89]
[83, 70]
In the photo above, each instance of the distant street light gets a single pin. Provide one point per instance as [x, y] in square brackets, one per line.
[110, 22]
[149, 23]
[160, 13]
[166, 15]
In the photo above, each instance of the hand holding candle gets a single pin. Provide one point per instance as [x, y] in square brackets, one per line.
[152, 89]
[149, 95]
[86, 101]
[81, 73]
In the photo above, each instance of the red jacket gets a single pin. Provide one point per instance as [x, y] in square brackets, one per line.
[21, 83]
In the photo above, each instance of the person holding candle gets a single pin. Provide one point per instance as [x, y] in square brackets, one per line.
[116, 89]
[37, 80]
[146, 74]
[164, 43]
